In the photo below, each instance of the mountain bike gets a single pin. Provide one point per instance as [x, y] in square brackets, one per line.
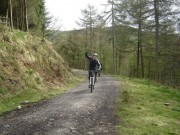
[92, 79]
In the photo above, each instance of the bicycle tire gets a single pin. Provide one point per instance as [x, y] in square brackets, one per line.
[91, 84]
[91, 88]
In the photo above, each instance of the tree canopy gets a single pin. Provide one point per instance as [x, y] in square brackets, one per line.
[26, 14]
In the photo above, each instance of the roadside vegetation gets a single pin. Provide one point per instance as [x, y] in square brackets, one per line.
[147, 108]
[30, 70]
[31, 96]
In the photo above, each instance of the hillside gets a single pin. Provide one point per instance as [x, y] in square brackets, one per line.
[28, 63]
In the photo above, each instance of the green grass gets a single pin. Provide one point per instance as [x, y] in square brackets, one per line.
[142, 111]
[35, 95]
[19, 34]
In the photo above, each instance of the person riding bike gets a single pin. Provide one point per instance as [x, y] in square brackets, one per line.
[99, 69]
[94, 64]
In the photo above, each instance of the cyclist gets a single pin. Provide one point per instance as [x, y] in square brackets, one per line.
[94, 64]
[100, 69]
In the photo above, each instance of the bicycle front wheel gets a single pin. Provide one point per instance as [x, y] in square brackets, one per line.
[92, 86]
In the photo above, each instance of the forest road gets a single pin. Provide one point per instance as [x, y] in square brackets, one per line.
[76, 112]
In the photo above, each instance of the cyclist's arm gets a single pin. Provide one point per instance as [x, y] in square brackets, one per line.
[86, 54]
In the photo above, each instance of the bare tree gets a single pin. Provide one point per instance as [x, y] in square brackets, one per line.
[110, 18]
[88, 21]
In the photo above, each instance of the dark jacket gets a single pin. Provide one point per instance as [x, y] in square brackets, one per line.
[94, 64]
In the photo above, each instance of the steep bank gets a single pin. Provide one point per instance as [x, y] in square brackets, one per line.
[28, 63]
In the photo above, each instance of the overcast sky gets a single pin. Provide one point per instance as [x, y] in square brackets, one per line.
[69, 11]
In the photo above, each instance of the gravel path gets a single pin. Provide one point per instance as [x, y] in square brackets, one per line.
[76, 112]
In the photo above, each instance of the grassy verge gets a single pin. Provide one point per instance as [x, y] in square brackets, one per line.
[146, 108]
[34, 95]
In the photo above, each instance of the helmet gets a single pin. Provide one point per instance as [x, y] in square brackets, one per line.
[95, 54]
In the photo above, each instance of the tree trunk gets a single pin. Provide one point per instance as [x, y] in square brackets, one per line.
[85, 47]
[11, 17]
[138, 51]
[100, 47]
[116, 62]
[26, 17]
[119, 72]
[7, 12]
[156, 8]
[142, 62]
[22, 17]
[17, 19]
[112, 37]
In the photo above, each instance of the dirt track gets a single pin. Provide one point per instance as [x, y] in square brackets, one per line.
[76, 112]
